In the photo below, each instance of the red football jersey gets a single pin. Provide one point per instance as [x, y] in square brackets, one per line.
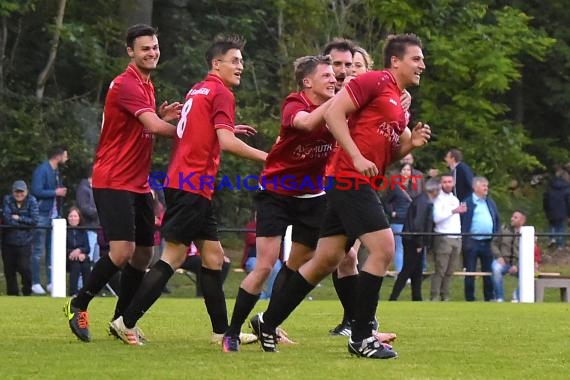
[195, 159]
[331, 164]
[377, 123]
[123, 156]
[296, 163]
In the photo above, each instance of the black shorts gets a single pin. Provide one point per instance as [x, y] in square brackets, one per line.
[125, 215]
[188, 217]
[354, 211]
[275, 212]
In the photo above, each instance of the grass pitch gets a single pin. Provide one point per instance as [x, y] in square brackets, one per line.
[454, 340]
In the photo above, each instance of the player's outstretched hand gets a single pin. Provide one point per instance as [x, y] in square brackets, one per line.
[168, 112]
[243, 129]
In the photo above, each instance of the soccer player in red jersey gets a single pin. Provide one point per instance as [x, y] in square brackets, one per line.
[291, 186]
[120, 173]
[345, 277]
[374, 136]
[206, 127]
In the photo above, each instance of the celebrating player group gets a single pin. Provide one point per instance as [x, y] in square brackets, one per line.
[345, 124]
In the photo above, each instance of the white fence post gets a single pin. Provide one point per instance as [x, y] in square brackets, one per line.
[58, 257]
[526, 265]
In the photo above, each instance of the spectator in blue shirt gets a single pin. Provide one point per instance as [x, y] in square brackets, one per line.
[18, 210]
[48, 188]
[481, 218]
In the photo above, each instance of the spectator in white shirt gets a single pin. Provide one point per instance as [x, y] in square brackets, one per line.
[446, 248]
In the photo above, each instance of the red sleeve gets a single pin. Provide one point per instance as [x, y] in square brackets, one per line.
[290, 109]
[537, 254]
[133, 98]
[364, 88]
[223, 110]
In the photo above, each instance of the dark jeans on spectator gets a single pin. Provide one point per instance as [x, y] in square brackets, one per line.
[558, 227]
[412, 269]
[16, 260]
[472, 250]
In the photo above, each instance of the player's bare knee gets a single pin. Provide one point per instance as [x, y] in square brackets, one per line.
[329, 263]
[262, 272]
[213, 259]
[120, 260]
[174, 254]
[141, 257]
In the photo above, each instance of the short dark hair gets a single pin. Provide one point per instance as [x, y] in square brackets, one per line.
[340, 44]
[522, 212]
[305, 66]
[55, 151]
[456, 154]
[221, 45]
[396, 45]
[139, 30]
[446, 174]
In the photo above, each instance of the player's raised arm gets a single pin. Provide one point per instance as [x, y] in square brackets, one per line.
[230, 143]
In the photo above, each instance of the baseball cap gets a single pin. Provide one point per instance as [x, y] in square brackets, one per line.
[19, 186]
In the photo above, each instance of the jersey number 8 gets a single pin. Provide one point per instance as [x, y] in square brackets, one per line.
[181, 126]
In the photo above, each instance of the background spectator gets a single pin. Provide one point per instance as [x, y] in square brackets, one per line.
[462, 174]
[48, 189]
[417, 175]
[86, 205]
[556, 204]
[77, 247]
[506, 252]
[446, 248]
[397, 200]
[419, 218]
[481, 218]
[18, 209]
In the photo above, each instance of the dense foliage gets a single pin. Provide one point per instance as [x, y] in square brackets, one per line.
[496, 83]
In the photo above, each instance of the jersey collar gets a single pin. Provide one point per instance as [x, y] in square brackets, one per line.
[215, 78]
[306, 99]
[392, 77]
[133, 70]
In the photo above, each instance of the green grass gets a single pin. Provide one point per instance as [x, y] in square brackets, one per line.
[455, 340]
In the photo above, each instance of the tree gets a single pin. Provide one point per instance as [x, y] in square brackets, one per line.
[544, 96]
[42, 78]
[9, 9]
[486, 88]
